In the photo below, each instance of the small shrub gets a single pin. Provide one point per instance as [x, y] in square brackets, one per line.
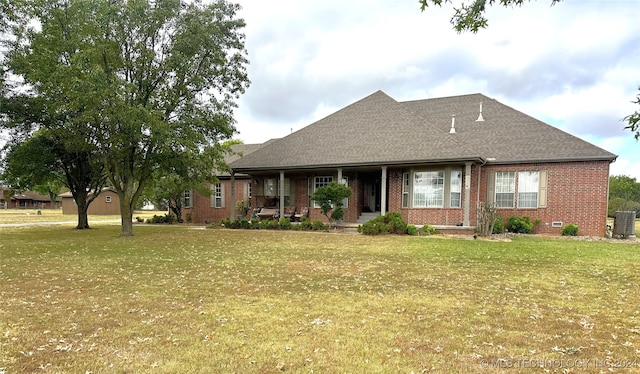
[242, 223]
[305, 224]
[412, 230]
[521, 225]
[167, 218]
[269, 224]
[225, 222]
[570, 230]
[285, 223]
[318, 226]
[498, 227]
[391, 223]
[189, 218]
[427, 230]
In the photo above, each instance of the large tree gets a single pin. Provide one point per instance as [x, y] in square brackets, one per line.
[47, 149]
[149, 79]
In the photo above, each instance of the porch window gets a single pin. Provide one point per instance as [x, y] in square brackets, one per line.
[405, 190]
[505, 189]
[345, 201]
[455, 188]
[320, 182]
[428, 189]
[270, 187]
[528, 184]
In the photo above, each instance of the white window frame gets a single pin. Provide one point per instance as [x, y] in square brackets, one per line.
[455, 188]
[320, 181]
[107, 199]
[428, 189]
[186, 199]
[528, 189]
[345, 201]
[505, 185]
[218, 196]
[406, 186]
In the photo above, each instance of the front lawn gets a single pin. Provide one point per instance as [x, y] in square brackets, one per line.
[183, 300]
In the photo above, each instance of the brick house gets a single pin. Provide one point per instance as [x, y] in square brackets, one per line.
[107, 203]
[434, 161]
[32, 200]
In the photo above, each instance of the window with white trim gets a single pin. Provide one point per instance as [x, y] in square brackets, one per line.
[320, 182]
[455, 189]
[405, 190]
[186, 199]
[505, 189]
[217, 196]
[428, 189]
[345, 201]
[107, 199]
[528, 185]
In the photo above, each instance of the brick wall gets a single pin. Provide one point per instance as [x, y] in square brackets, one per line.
[201, 210]
[577, 192]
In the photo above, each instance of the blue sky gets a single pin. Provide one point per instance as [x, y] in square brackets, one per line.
[574, 65]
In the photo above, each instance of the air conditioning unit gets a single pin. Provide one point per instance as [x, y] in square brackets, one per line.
[624, 224]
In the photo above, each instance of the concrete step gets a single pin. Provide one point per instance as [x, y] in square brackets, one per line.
[368, 216]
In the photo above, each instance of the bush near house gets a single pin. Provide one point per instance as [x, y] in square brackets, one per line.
[521, 225]
[391, 223]
[570, 230]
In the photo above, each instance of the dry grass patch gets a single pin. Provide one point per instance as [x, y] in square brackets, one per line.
[172, 299]
[31, 216]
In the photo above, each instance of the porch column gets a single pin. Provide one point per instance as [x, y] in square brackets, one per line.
[467, 194]
[232, 214]
[339, 175]
[383, 192]
[281, 193]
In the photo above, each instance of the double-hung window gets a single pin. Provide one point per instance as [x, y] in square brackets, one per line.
[505, 189]
[217, 196]
[186, 199]
[528, 185]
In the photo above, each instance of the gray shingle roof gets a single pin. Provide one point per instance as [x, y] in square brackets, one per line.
[379, 130]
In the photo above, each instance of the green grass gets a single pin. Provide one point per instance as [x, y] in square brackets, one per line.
[174, 299]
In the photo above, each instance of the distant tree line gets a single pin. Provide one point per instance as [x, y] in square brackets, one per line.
[624, 195]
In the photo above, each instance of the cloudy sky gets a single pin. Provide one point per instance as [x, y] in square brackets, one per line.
[574, 65]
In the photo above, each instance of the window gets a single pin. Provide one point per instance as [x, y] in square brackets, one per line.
[505, 189]
[107, 199]
[345, 201]
[320, 182]
[270, 187]
[217, 196]
[428, 189]
[186, 199]
[249, 190]
[405, 190]
[455, 189]
[528, 184]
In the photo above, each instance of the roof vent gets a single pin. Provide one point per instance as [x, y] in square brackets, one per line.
[480, 118]
[453, 124]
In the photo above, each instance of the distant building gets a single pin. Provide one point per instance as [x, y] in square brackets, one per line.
[107, 203]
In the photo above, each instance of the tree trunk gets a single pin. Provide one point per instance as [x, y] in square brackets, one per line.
[83, 206]
[126, 215]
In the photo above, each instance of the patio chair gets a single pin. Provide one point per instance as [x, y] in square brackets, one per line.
[304, 212]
